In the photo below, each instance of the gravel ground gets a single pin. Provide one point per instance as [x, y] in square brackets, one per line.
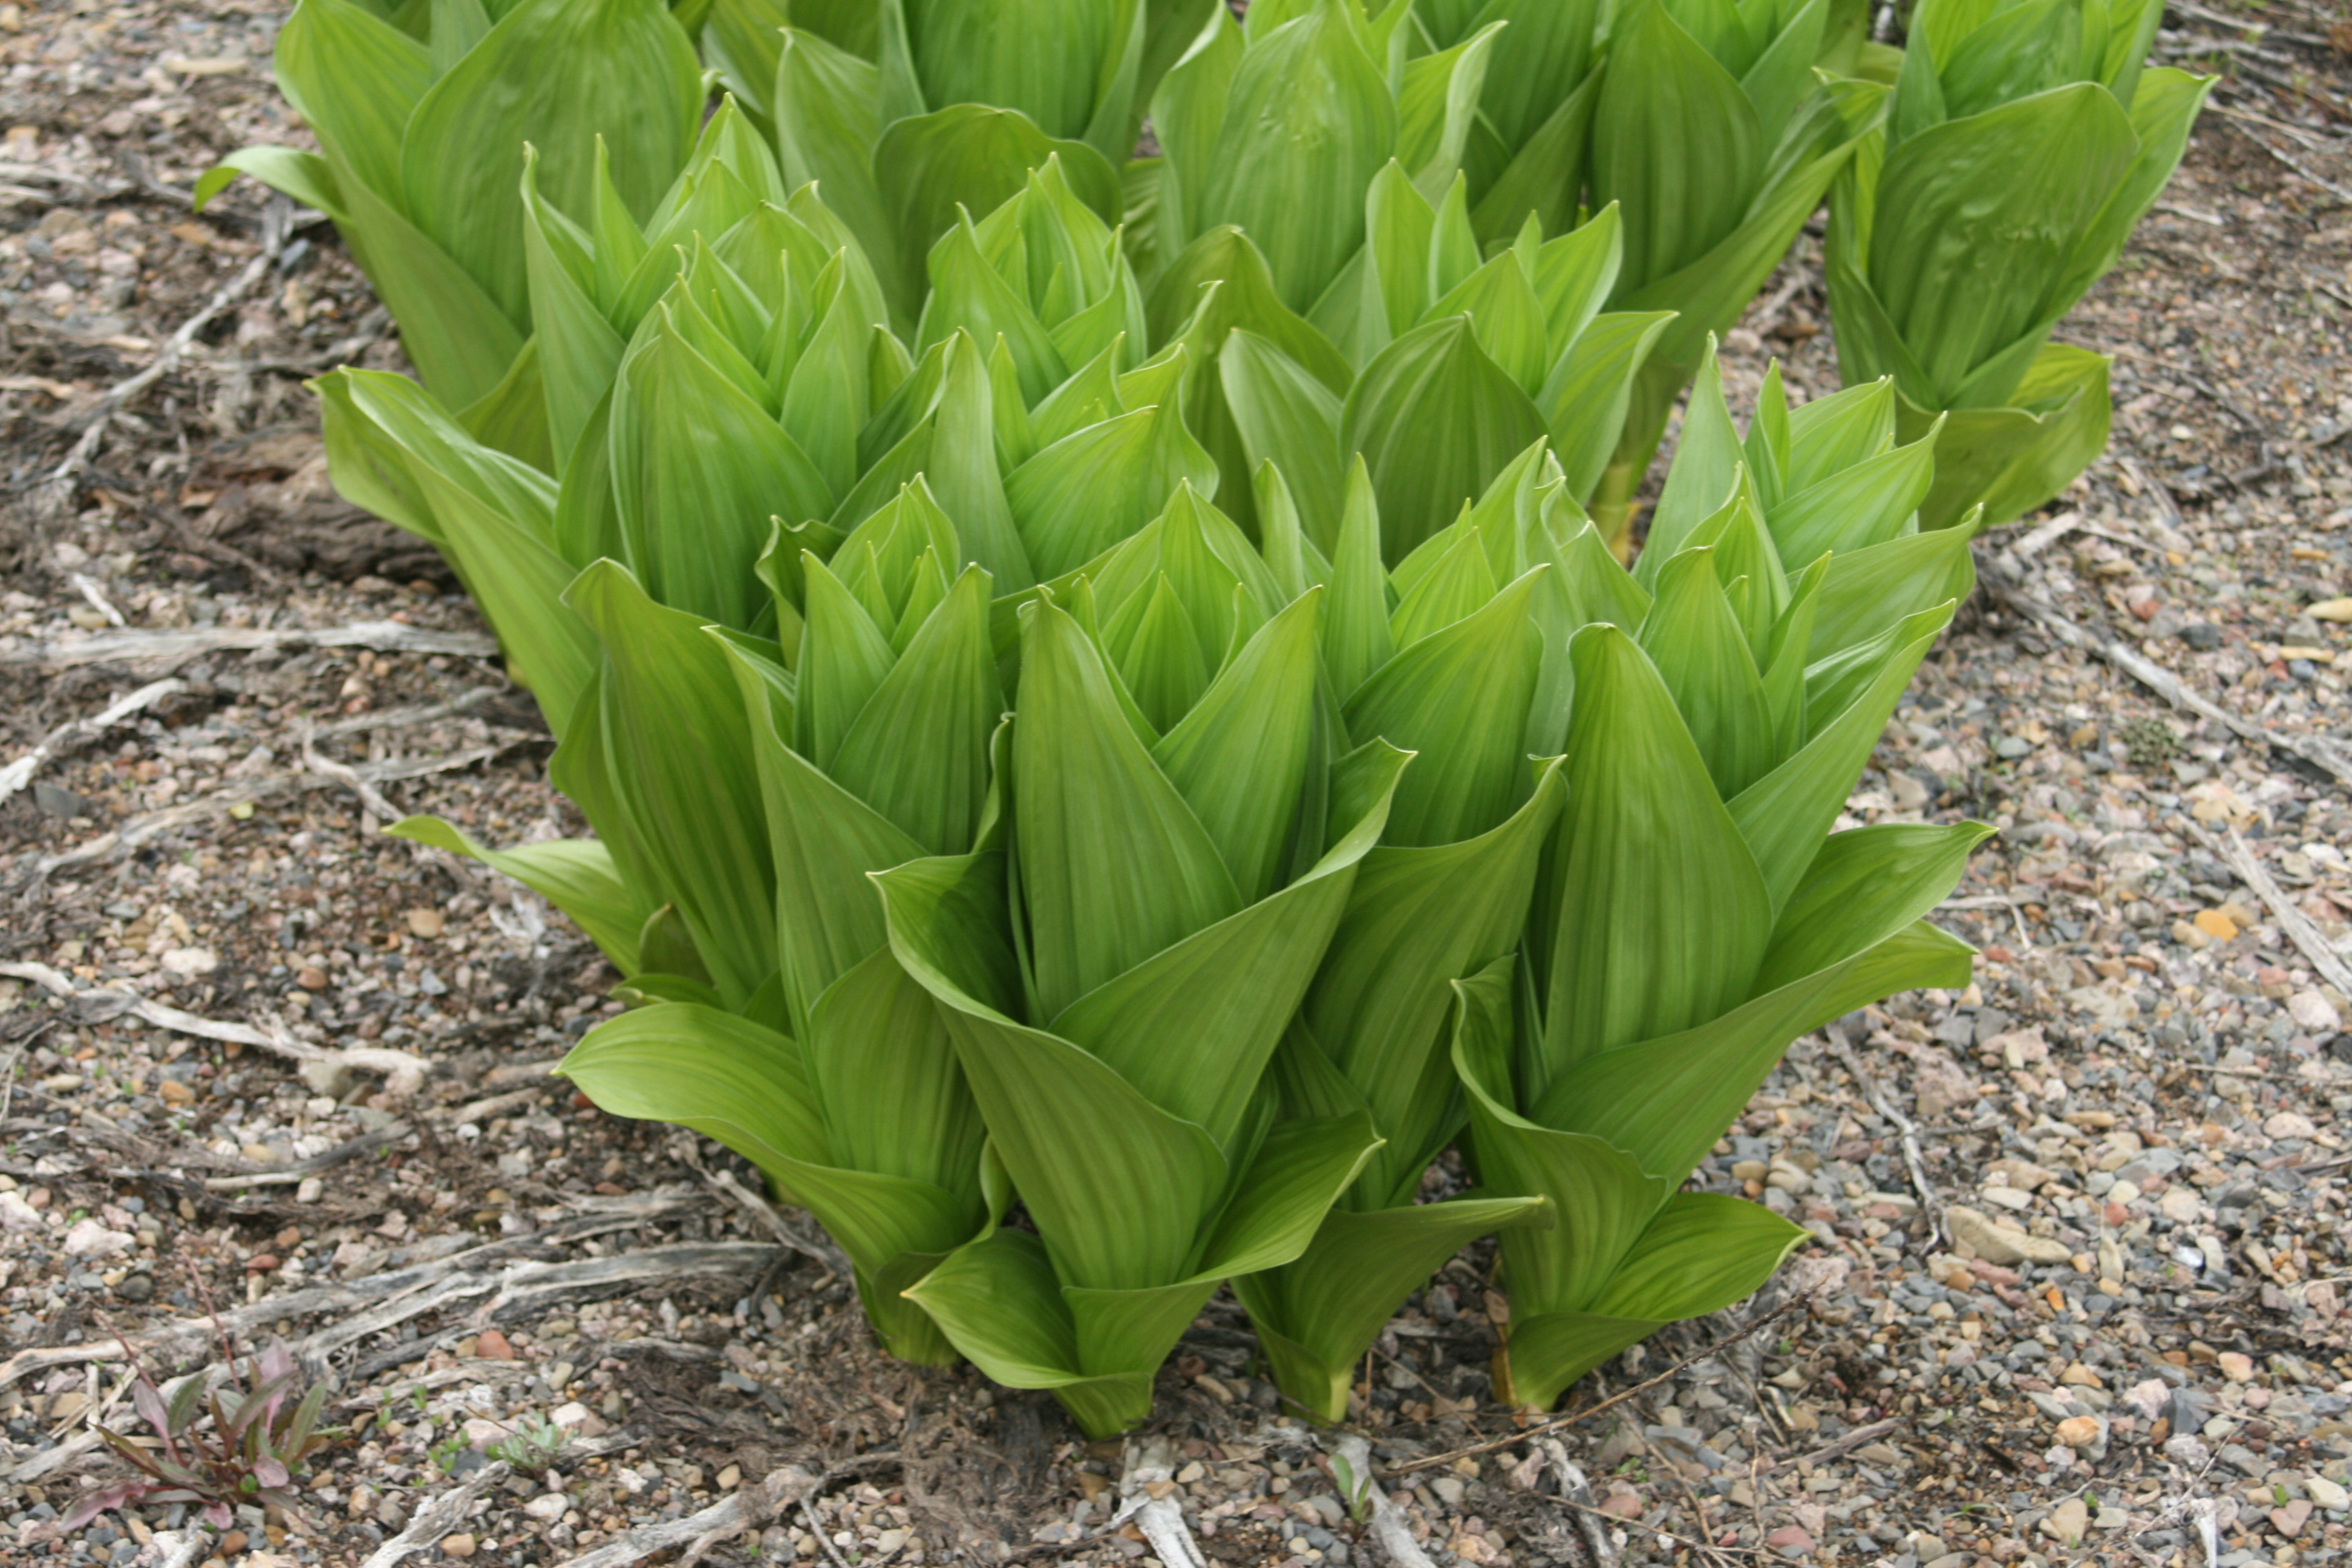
[2081, 1282]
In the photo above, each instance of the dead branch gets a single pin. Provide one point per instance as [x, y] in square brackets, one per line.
[162, 651]
[1913, 1162]
[2321, 751]
[2307, 938]
[750, 1508]
[438, 1517]
[20, 773]
[405, 1074]
[287, 1176]
[1389, 1527]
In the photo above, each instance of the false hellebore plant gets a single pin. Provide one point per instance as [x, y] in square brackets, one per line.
[1697, 911]
[2023, 142]
[420, 136]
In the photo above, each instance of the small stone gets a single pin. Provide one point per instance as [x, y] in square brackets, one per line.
[310, 979]
[548, 1506]
[190, 961]
[2237, 1366]
[2079, 1432]
[2202, 636]
[493, 1346]
[232, 1543]
[2314, 1013]
[2080, 1376]
[135, 1288]
[2326, 1494]
[2067, 1523]
[2009, 1197]
[2290, 1124]
[2289, 1521]
[730, 1478]
[425, 924]
[1995, 1242]
[1790, 1539]
[2179, 1203]
[87, 1238]
[2215, 924]
[171, 1091]
[458, 1545]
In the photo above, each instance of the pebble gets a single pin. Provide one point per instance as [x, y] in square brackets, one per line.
[458, 1545]
[2326, 1494]
[1998, 1242]
[2237, 1366]
[425, 924]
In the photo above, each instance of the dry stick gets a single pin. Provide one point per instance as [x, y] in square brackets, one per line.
[345, 775]
[365, 1143]
[20, 773]
[1847, 1444]
[120, 841]
[1149, 1485]
[1575, 1489]
[1430, 1461]
[1913, 1161]
[2331, 756]
[438, 1517]
[753, 1506]
[405, 1074]
[1389, 1527]
[169, 648]
[2307, 937]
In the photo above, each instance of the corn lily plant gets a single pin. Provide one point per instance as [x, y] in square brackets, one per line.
[1446, 658]
[2023, 144]
[1716, 136]
[1465, 362]
[873, 752]
[1697, 911]
[422, 114]
[1277, 126]
[1184, 844]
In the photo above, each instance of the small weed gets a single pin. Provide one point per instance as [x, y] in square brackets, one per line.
[256, 1440]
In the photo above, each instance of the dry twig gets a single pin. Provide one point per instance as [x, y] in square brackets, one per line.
[2322, 750]
[20, 773]
[438, 1517]
[165, 650]
[1913, 1162]
[2307, 938]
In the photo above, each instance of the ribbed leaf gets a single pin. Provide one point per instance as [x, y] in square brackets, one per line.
[1308, 121]
[673, 712]
[1658, 914]
[2012, 460]
[1960, 282]
[1865, 886]
[553, 73]
[1664, 1101]
[1784, 816]
[1665, 97]
[1459, 699]
[1701, 1254]
[1585, 398]
[356, 79]
[975, 157]
[1695, 641]
[1316, 1318]
[1436, 420]
[1417, 920]
[1115, 865]
[1088, 492]
[576, 875]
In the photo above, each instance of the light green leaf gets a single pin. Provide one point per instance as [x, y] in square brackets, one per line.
[576, 875]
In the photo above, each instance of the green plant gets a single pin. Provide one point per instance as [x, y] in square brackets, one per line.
[533, 1446]
[2023, 142]
[1697, 911]
[1716, 136]
[1186, 837]
[256, 1444]
[422, 112]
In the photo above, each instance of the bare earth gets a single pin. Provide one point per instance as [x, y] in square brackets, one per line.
[2080, 1292]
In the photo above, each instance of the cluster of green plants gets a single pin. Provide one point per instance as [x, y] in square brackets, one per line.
[1123, 753]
